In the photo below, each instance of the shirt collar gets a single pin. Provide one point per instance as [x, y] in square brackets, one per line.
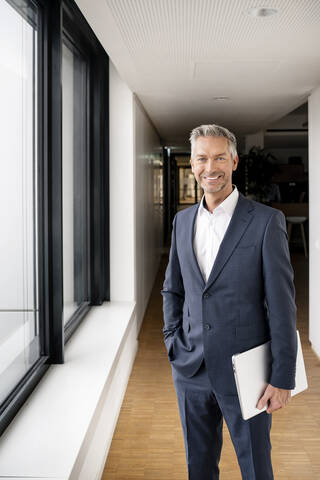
[227, 206]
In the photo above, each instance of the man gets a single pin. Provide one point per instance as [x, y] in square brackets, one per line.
[228, 288]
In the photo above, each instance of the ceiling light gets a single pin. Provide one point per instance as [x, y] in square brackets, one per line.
[262, 11]
[221, 99]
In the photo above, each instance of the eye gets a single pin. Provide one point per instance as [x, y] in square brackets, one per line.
[220, 159]
[201, 159]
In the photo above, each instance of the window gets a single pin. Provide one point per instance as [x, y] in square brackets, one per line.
[75, 171]
[54, 213]
[84, 168]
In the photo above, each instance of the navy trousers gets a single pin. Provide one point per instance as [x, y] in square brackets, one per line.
[201, 412]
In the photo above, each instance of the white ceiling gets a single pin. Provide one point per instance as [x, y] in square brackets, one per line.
[176, 55]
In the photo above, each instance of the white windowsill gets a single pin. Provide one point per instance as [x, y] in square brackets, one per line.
[44, 439]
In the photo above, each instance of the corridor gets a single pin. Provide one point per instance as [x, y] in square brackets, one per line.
[116, 115]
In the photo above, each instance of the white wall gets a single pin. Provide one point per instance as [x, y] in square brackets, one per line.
[149, 227]
[135, 212]
[122, 205]
[314, 219]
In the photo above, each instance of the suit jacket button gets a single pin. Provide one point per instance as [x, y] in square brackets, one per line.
[207, 326]
[206, 295]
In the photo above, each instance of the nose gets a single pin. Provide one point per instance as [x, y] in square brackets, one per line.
[210, 165]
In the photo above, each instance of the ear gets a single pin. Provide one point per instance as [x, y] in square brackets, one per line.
[235, 163]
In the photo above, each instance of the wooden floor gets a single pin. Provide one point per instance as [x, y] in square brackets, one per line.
[148, 441]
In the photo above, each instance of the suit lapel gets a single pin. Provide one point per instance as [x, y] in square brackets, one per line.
[239, 222]
[190, 236]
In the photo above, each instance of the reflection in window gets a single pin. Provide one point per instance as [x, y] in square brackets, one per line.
[19, 312]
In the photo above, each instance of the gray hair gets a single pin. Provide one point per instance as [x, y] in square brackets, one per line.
[214, 131]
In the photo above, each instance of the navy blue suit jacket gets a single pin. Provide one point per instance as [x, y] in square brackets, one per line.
[249, 297]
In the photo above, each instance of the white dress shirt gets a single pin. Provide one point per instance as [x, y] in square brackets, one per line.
[209, 230]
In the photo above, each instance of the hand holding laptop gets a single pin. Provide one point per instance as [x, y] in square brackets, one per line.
[275, 398]
[251, 371]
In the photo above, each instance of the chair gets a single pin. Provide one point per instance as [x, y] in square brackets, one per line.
[298, 221]
[296, 214]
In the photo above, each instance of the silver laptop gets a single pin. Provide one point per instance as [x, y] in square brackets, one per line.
[251, 371]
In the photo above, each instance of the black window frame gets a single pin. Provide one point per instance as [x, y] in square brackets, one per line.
[53, 334]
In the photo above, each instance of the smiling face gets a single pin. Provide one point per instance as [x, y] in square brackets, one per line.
[212, 164]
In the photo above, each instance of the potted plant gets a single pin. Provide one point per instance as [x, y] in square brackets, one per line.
[253, 176]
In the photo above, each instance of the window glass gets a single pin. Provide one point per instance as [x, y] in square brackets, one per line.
[19, 312]
[75, 178]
